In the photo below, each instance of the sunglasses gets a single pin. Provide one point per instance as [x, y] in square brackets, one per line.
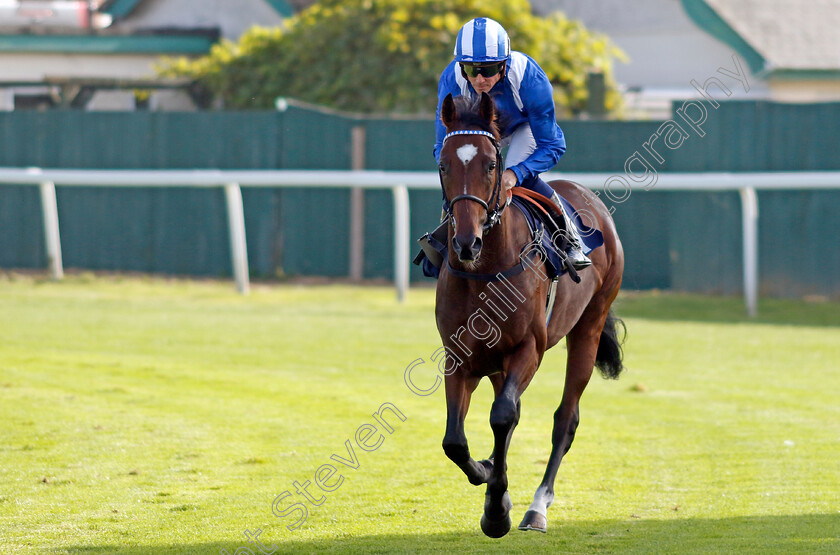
[488, 70]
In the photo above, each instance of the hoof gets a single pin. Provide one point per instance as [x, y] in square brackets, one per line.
[499, 525]
[483, 475]
[495, 528]
[534, 521]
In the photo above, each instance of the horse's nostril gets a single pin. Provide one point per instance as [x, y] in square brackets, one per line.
[468, 249]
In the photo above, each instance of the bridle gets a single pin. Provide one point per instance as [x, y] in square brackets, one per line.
[494, 215]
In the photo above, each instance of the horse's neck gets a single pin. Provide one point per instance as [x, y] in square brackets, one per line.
[511, 239]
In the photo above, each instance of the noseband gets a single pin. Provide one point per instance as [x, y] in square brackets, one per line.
[494, 215]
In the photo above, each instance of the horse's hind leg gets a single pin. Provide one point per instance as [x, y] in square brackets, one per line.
[582, 344]
[459, 390]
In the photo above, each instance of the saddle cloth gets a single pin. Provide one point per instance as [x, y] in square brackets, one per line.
[591, 238]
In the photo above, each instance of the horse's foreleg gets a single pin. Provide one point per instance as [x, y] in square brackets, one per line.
[498, 381]
[582, 348]
[504, 416]
[458, 393]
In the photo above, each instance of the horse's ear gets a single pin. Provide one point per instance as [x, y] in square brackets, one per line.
[486, 108]
[448, 114]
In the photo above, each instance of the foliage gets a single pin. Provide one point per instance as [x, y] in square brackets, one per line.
[387, 55]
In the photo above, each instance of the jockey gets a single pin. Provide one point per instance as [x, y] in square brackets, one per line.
[484, 63]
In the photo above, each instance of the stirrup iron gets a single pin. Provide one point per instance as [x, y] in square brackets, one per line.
[441, 235]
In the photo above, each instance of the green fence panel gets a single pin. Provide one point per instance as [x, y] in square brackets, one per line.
[602, 146]
[799, 243]
[313, 140]
[762, 136]
[399, 145]
[688, 241]
[314, 223]
[263, 210]
[296, 232]
[705, 242]
[21, 231]
[802, 137]
[174, 231]
[379, 233]
[315, 232]
[144, 140]
[403, 145]
[642, 223]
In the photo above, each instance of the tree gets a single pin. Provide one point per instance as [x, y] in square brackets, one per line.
[387, 55]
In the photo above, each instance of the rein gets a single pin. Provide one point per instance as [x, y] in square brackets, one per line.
[494, 215]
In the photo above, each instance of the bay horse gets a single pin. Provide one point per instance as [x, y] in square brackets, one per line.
[504, 339]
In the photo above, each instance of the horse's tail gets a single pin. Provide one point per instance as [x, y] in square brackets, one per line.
[608, 359]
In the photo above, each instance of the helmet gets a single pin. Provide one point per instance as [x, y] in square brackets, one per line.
[482, 40]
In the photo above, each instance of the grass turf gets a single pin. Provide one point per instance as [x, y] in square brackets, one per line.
[143, 415]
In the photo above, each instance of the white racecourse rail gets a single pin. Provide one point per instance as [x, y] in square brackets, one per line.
[399, 182]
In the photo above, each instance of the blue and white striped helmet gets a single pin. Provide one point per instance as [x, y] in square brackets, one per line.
[482, 40]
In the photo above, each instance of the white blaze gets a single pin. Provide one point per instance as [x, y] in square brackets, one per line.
[466, 153]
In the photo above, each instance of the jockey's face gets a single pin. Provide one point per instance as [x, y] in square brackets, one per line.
[483, 84]
[477, 78]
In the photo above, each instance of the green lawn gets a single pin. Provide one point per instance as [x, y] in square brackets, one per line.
[142, 415]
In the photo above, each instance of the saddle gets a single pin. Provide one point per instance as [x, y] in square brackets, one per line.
[545, 223]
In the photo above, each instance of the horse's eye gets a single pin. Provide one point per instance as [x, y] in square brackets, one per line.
[491, 167]
[442, 168]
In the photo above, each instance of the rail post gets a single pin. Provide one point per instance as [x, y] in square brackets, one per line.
[749, 225]
[401, 240]
[357, 206]
[236, 231]
[52, 235]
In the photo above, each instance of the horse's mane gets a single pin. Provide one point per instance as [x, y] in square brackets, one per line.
[469, 115]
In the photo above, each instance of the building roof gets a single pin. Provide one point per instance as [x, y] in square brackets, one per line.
[156, 35]
[121, 8]
[780, 37]
[195, 41]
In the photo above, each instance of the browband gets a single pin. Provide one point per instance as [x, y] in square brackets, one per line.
[469, 132]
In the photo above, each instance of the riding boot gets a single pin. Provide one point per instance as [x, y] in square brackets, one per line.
[575, 247]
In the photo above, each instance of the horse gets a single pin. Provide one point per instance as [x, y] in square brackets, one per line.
[490, 309]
